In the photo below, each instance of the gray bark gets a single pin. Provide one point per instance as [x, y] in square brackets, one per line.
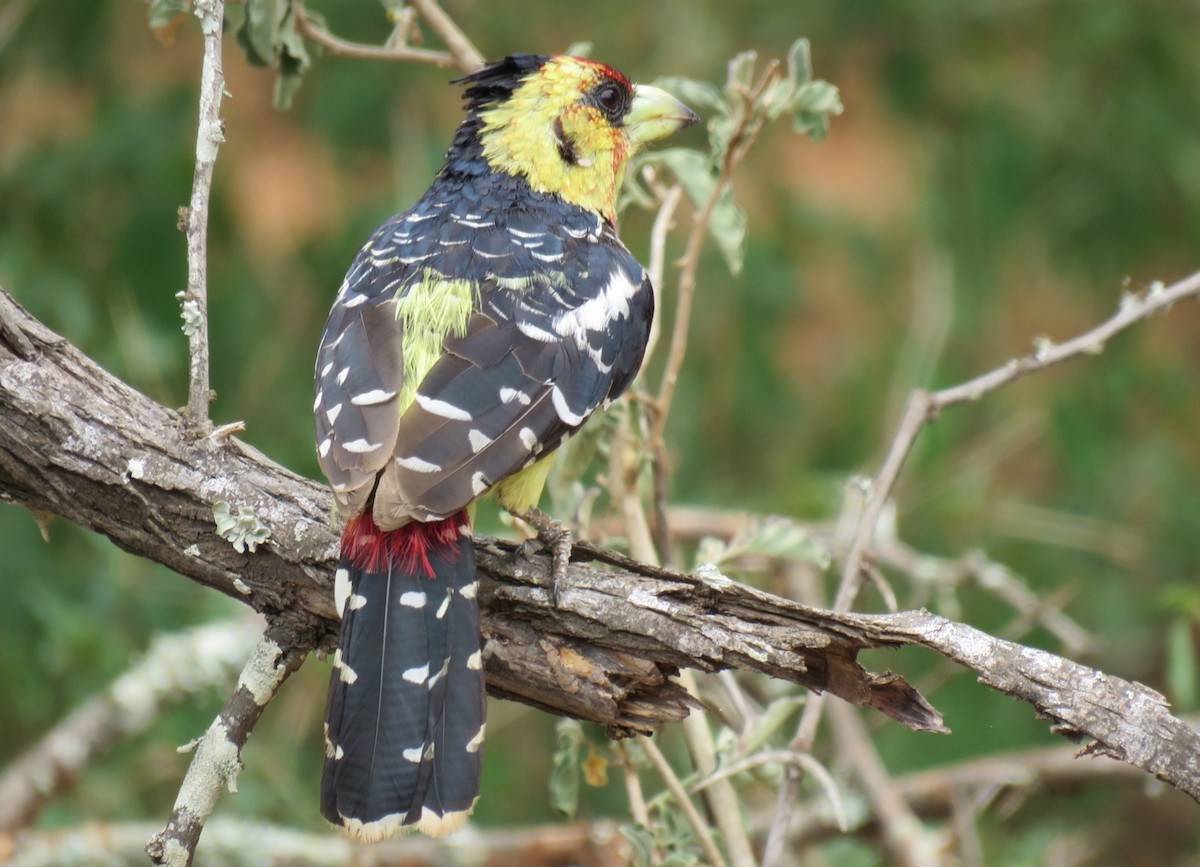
[76, 442]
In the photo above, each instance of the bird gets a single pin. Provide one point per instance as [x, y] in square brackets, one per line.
[472, 335]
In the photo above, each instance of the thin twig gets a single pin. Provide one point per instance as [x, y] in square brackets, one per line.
[236, 842]
[633, 787]
[699, 825]
[746, 129]
[722, 798]
[174, 667]
[663, 221]
[217, 761]
[194, 222]
[923, 407]
[783, 757]
[393, 51]
[910, 844]
[466, 56]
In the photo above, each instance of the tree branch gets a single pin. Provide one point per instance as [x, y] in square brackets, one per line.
[174, 667]
[231, 841]
[218, 758]
[76, 442]
[923, 407]
[194, 219]
[461, 54]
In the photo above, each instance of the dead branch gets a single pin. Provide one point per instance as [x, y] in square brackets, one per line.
[924, 406]
[218, 753]
[174, 667]
[229, 841]
[76, 442]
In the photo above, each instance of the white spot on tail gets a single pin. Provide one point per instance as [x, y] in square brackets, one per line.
[441, 612]
[326, 445]
[341, 591]
[360, 446]
[357, 601]
[475, 661]
[528, 438]
[412, 599]
[470, 590]
[441, 673]
[417, 675]
[333, 412]
[478, 484]
[413, 754]
[432, 825]
[476, 742]
[342, 374]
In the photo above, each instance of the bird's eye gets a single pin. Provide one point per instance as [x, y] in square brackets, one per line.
[610, 99]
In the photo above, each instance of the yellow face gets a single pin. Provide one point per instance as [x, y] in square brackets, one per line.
[571, 126]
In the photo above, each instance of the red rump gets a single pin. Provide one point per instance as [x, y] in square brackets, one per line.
[370, 549]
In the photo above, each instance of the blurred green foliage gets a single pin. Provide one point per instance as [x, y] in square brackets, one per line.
[1002, 171]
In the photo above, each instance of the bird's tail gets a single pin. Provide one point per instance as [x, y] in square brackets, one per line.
[405, 715]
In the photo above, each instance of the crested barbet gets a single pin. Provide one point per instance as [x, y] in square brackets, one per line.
[473, 334]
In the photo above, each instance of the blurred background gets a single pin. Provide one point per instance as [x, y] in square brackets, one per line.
[1002, 171]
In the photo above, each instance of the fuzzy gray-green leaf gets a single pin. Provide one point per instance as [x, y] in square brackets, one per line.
[564, 772]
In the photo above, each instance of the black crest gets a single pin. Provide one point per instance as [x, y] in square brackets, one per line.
[496, 82]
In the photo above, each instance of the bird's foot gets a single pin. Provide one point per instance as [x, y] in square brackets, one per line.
[555, 537]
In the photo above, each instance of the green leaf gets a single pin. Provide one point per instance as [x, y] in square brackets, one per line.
[814, 102]
[769, 721]
[778, 98]
[680, 858]
[162, 13]
[564, 774]
[799, 61]
[728, 226]
[697, 94]
[741, 75]
[269, 37]
[643, 844]
[784, 540]
[727, 222]
[293, 62]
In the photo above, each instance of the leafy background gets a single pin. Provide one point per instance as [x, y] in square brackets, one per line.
[1003, 170]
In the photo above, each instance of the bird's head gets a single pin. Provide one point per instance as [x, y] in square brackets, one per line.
[566, 124]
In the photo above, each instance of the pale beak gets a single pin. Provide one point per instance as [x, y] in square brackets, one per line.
[655, 114]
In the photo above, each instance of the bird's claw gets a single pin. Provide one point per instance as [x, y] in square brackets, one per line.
[557, 538]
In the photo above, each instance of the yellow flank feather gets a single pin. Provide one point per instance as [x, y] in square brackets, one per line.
[431, 310]
[521, 491]
[520, 137]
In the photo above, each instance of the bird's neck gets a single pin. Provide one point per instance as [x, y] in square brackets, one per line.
[591, 182]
